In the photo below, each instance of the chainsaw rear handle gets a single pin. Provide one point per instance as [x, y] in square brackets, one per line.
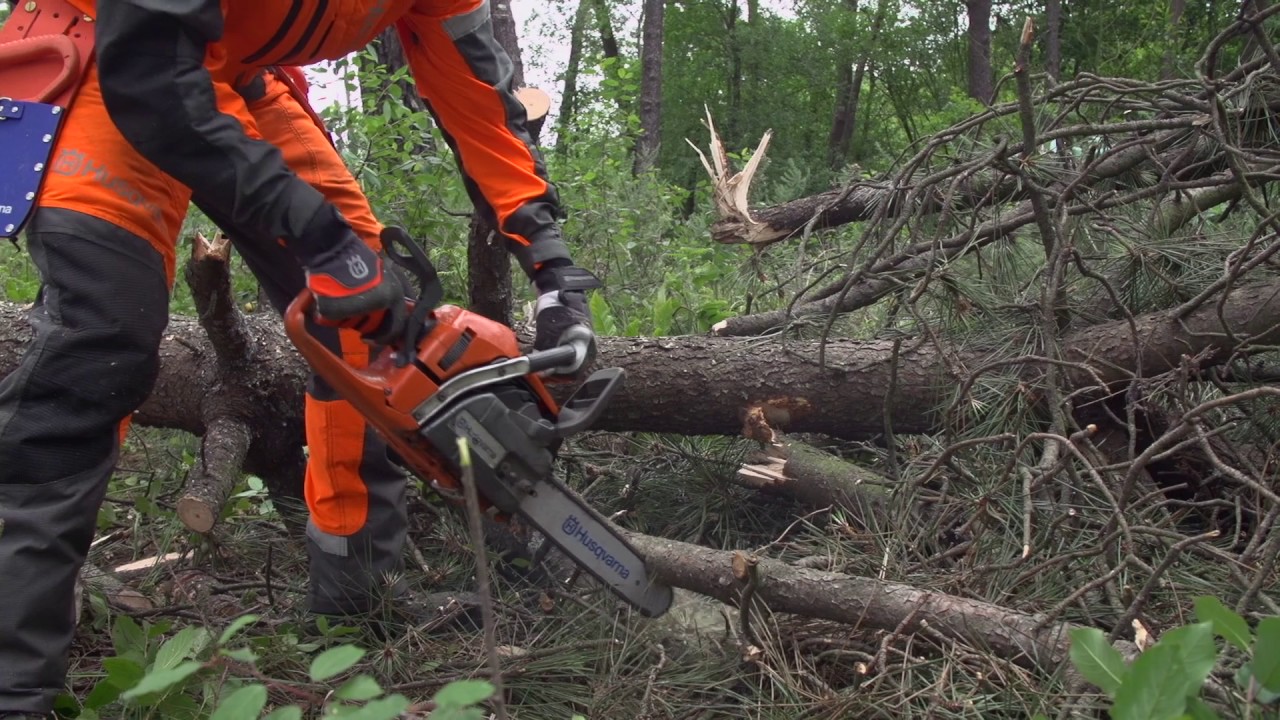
[360, 388]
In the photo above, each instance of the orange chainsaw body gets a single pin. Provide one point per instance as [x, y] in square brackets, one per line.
[387, 391]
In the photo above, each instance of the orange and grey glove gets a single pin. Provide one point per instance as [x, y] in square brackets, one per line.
[561, 305]
[355, 288]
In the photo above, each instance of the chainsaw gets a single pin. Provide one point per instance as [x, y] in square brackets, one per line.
[455, 374]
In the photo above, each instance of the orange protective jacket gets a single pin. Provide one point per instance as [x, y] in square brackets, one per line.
[158, 60]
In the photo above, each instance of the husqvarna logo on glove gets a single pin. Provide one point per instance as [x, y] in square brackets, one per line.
[357, 266]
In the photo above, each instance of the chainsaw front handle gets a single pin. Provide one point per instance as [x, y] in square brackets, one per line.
[569, 356]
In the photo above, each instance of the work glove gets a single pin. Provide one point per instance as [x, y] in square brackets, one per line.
[355, 288]
[561, 305]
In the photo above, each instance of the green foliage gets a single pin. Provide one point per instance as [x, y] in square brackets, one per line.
[191, 676]
[1167, 680]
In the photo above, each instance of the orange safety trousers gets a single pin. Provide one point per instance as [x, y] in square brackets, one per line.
[94, 170]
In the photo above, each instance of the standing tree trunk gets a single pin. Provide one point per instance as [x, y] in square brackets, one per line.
[842, 120]
[842, 143]
[735, 71]
[608, 41]
[488, 261]
[1053, 38]
[981, 79]
[1176, 9]
[650, 139]
[569, 96]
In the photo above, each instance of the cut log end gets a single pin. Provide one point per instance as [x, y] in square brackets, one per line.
[197, 514]
[536, 102]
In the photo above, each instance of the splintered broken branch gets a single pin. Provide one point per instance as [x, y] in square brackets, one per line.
[818, 479]
[730, 192]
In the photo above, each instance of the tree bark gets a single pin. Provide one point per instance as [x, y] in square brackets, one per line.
[981, 78]
[817, 478]
[650, 140]
[700, 385]
[842, 120]
[604, 23]
[569, 95]
[504, 30]
[1176, 10]
[734, 43]
[227, 412]
[1053, 38]
[1023, 638]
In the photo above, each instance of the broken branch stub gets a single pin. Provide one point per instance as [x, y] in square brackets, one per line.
[731, 191]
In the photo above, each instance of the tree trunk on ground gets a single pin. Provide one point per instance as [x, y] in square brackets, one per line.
[700, 385]
[865, 602]
[981, 78]
[647, 145]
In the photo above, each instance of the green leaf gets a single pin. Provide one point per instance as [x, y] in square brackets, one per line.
[1266, 654]
[1096, 660]
[1197, 710]
[288, 712]
[333, 661]
[1154, 689]
[102, 694]
[387, 708]
[1226, 623]
[127, 636]
[1244, 678]
[159, 680]
[243, 654]
[180, 647]
[123, 672]
[247, 702]
[359, 689]
[1196, 651]
[236, 626]
[463, 693]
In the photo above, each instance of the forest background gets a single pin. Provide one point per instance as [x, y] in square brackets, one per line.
[949, 330]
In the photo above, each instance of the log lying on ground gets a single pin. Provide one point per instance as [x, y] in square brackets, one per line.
[817, 478]
[864, 602]
[699, 385]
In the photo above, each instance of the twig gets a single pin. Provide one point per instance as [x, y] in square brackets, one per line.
[482, 576]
